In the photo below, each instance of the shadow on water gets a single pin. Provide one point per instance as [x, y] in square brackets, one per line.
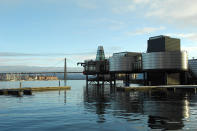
[164, 109]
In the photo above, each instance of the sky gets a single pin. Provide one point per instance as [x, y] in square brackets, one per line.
[44, 32]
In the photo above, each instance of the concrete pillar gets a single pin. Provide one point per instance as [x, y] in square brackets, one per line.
[86, 80]
[127, 80]
[20, 84]
[59, 83]
[114, 80]
[165, 78]
[144, 78]
[110, 80]
[103, 80]
[97, 79]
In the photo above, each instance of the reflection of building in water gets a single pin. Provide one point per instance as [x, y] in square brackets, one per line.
[65, 96]
[96, 99]
[165, 109]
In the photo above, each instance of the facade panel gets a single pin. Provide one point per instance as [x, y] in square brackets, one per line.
[156, 45]
[193, 66]
[172, 44]
[123, 62]
[165, 61]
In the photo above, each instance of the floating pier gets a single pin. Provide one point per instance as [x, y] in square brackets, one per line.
[173, 87]
[46, 88]
[29, 90]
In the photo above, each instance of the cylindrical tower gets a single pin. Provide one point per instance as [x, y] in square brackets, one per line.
[100, 54]
[173, 61]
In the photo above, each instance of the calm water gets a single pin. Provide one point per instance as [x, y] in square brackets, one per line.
[91, 108]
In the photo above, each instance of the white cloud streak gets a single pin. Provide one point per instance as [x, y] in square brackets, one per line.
[145, 30]
[182, 12]
[16, 54]
[86, 4]
[48, 59]
[190, 36]
[177, 12]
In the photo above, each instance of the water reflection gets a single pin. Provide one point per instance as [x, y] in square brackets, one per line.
[96, 100]
[65, 96]
[65, 82]
[163, 109]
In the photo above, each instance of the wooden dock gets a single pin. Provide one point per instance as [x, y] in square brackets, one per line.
[174, 87]
[29, 90]
[46, 88]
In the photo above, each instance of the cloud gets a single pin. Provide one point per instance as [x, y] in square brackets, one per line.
[49, 59]
[87, 4]
[190, 48]
[141, 1]
[123, 9]
[189, 36]
[145, 30]
[4, 69]
[191, 51]
[114, 49]
[22, 59]
[16, 54]
[110, 23]
[35, 61]
[11, 2]
[2, 54]
[116, 25]
[182, 13]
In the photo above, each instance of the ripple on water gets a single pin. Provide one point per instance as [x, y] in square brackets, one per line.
[92, 108]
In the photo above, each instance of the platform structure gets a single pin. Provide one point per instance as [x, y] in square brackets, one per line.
[164, 63]
[97, 72]
[120, 66]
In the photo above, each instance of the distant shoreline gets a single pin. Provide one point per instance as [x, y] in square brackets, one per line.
[36, 80]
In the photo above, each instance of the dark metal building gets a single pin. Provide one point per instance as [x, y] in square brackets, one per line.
[162, 44]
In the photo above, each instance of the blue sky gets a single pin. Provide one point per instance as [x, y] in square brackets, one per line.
[44, 32]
